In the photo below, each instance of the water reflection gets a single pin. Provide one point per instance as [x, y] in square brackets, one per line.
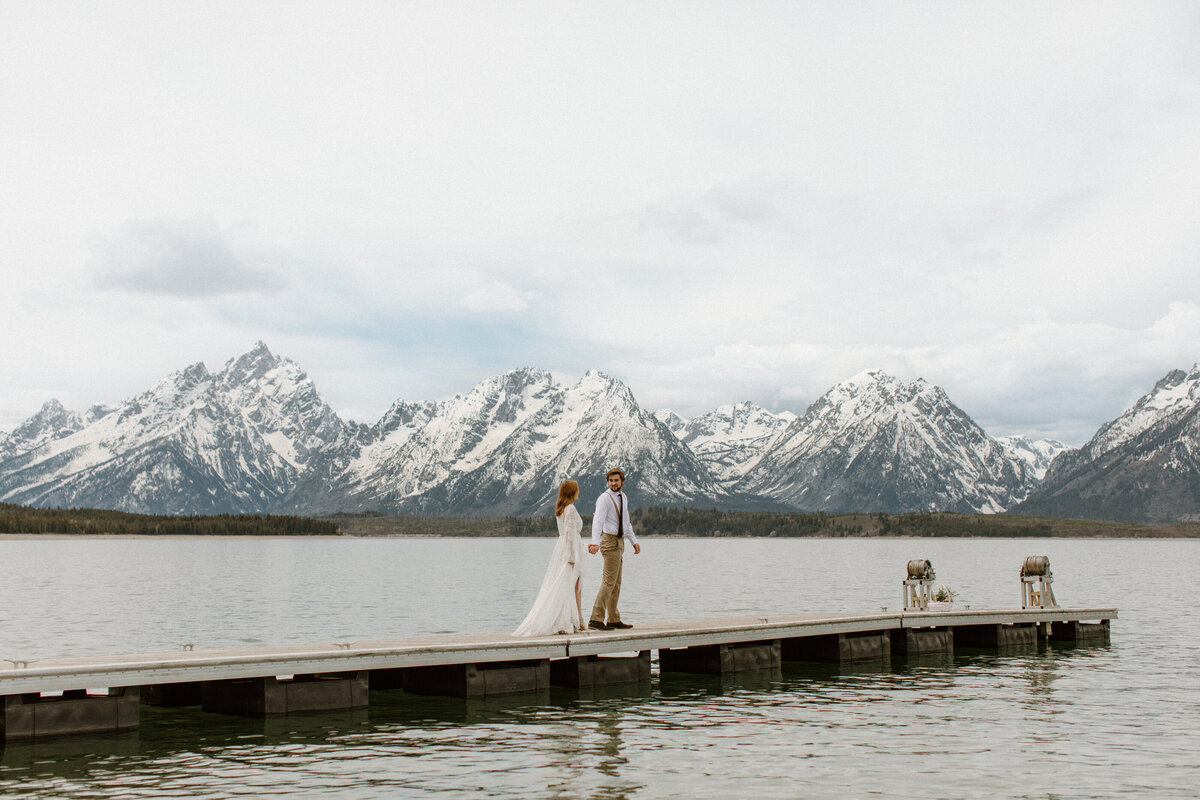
[69, 757]
[820, 671]
[924, 663]
[686, 684]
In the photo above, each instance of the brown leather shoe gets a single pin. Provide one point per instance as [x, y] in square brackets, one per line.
[618, 625]
[600, 626]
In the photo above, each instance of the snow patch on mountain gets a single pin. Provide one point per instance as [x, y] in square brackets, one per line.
[731, 438]
[1034, 454]
[673, 422]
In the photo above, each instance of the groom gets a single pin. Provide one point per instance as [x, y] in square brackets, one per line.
[610, 529]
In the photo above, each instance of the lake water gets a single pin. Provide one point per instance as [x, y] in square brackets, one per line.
[1058, 721]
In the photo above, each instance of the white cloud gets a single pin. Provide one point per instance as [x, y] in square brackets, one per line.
[495, 296]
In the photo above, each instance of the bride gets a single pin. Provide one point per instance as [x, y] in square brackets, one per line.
[557, 608]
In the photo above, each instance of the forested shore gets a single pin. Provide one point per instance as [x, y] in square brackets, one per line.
[90, 521]
[657, 521]
[654, 521]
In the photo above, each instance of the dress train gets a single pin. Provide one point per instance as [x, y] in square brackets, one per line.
[555, 610]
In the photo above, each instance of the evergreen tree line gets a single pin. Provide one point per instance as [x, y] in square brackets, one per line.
[697, 522]
[947, 524]
[25, 520]
[713, 522]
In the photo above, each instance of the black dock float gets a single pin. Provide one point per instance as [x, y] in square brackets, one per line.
[722, 659]
[996, 636]
[839, 648]
[922, 641]
[33, 716]
[1075, 631]
[588, 672]
[173, 694]
[489, 679]
[272, 696]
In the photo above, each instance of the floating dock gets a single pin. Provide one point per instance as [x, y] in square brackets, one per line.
[99, 694]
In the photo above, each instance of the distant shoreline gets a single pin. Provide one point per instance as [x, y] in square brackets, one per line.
[661, 522]
[712, 523]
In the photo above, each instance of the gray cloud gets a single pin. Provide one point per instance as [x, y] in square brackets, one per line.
[708, 217]
[181, 258]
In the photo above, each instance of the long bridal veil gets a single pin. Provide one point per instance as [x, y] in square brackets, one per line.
[555, 609]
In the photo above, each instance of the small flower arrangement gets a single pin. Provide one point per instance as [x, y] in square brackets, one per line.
[944, 594]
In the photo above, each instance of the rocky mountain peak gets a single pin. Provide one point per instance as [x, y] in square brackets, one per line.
[1173, 396]
[1170, 381]
[53, 419]
[250, 366]
[1143, 465]
[52, 422]
[674, 423]
[601, 385]
[403, 415]
[874, 442]
[192, 376]
[178, 388]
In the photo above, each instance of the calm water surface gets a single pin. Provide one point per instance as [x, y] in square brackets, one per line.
[1052, 722]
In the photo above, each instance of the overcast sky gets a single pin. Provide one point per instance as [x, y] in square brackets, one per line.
[713, 202]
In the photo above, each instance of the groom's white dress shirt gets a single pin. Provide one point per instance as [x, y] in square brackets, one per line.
[605, 518]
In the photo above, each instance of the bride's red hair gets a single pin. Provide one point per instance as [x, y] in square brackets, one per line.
[566, 495]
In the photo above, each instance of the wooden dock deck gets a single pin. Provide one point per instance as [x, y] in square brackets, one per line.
[48, 675]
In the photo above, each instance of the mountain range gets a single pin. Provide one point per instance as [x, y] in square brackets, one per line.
[1144, 465]
[257, 437]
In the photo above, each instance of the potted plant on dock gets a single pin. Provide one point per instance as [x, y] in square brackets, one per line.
[943, 599]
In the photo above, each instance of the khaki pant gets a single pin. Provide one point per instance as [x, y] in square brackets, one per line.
[612, 550]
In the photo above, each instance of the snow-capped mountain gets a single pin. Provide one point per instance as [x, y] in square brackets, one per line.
[505, 446]
[1035, 454]
[195, 443]
[257, 437]
[52, 422]
[875, 443]
[675, 423]
[1143, 465]
[730, 439]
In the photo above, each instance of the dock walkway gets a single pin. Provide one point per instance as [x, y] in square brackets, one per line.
[180, 666]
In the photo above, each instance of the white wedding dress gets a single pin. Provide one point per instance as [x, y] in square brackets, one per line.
[555, 609]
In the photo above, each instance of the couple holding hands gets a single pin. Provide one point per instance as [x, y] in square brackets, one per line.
[558, 607]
